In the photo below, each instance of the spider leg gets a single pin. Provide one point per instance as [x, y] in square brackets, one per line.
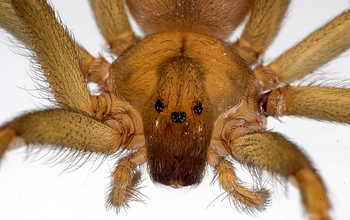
[320, 103]
[10, 22]
[125, 180]
[314, 51]
[272, 152]
[247, 200]
[55, 52]
[61, 128]
[113, 23]
[64, 63]
[261, 29]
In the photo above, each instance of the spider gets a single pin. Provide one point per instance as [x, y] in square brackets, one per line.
[177, 117]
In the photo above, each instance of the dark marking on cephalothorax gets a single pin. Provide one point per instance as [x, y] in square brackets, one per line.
[183, 47]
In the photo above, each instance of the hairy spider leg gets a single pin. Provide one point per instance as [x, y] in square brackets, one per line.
[125, 179]
[272, 152]
[319, 103]
[113, 23]
[60, 128]
[62, 62]
[247, 200]
[317, 49]
[262, 27]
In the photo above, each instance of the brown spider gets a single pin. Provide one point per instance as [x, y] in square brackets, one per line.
[177, 118]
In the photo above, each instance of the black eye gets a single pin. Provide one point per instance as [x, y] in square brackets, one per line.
[159, 106]
[198, 108]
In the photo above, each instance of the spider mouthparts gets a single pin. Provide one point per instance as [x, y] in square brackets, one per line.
[177, 154]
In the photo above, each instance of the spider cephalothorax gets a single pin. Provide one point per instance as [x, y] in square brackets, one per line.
[180, 97]
[170, 79]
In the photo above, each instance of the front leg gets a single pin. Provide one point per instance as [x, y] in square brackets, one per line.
[61, 128]
[125, 180]
[244, 199]
[272, 152]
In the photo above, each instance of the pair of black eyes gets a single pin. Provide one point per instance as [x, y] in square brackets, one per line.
[196, 109]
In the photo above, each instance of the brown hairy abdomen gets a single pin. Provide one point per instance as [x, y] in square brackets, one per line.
[214, 18]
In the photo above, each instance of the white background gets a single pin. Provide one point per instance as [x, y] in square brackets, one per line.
[35, 190]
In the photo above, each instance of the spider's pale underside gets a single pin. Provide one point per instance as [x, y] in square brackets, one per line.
[322, 140]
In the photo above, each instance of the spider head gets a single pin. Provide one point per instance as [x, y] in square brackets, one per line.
[166, 79]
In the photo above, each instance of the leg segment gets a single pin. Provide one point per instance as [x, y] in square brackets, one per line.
[126, 179]
[113, 23]
[317, 49]
[8, 140]
[64, 63]
[320, 103]
[10, 22]
[61, 128]
[272, 152]
[56, 53]
[247, 200]
[261, 28]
